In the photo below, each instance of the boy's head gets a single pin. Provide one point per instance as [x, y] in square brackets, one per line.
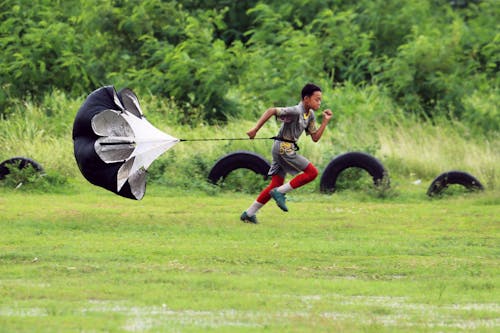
[311, 96]
[309, 90]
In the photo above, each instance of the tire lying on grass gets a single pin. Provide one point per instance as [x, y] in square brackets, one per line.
[351, 160]
[20, 162]
[237, 160]
[441, 182]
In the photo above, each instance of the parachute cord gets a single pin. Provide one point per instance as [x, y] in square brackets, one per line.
[221, 139]
[234, 139]
[230, 139]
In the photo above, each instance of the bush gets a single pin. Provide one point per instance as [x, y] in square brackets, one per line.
[41, 49]
[30, 179]
[196, 73]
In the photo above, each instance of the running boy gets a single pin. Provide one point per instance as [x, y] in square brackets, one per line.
[295, 120]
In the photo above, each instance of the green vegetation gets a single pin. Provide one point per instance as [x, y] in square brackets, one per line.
[215, 59]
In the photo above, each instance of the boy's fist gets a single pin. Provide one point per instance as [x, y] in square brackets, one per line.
[327, 114]
[252, 133]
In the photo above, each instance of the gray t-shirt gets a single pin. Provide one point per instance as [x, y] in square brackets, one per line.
[295, 121]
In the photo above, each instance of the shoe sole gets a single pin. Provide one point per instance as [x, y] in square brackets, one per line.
[248, 221]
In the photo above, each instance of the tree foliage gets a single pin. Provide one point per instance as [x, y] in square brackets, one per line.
[222, 59]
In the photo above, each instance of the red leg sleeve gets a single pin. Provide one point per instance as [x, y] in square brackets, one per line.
[309, 174]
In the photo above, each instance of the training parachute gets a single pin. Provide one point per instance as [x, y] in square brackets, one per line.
[114, 144]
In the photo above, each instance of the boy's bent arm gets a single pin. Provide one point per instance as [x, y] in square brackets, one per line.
[327, 115]
[262, 120]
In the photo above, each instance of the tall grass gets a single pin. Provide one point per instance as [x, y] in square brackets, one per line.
[363, 121]
[424, 150]
[42, 132]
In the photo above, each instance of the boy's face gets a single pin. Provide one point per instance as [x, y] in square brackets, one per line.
[313, 101]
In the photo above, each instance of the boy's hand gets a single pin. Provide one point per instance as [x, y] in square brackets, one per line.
[252, 133]
[327, 114]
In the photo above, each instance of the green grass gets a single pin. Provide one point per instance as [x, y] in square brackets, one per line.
[179, 260]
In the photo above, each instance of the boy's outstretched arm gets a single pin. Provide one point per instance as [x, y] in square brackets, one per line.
[327, 115]
[262, 120]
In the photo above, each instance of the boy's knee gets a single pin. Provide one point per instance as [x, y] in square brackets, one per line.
[312, 172]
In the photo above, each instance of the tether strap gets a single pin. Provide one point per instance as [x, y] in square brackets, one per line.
[296, 147]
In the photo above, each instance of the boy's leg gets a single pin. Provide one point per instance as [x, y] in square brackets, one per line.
[308, 175]
[262, 199]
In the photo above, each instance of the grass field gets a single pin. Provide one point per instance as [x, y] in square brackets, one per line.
[180, 261]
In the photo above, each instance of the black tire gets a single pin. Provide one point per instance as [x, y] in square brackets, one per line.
[238, 160]
[454, 177]
[350, 160]
[21, 162]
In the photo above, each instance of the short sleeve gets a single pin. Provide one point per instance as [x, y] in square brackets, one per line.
[311, 126]
[287, 111]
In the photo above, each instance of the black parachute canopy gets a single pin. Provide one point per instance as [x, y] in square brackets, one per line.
[114, 144]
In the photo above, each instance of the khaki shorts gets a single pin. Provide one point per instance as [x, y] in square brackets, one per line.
[286, 160]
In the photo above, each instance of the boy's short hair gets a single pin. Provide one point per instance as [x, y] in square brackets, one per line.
[309, 89]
